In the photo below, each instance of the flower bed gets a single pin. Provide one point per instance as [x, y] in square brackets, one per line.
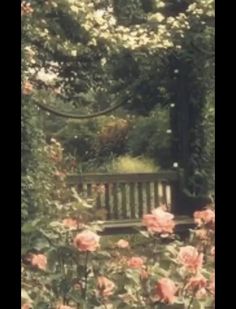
[76, 271]
[66, 264]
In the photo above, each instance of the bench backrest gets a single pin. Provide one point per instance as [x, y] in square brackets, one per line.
[128, 196]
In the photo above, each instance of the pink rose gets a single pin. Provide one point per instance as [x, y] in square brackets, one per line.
[159, 221]
[122, 243]
[26, 306]
[105, 286]
[39, 260]
[196, 283]
[165, 291]
[135, 262]
[27, 88]
[87, 241]
[201, 294]
[190, 258]
[70, 223]
[211, 286]
[26, 8]
[144, 274]
[213, 251]
[204, 217]
[201, 234]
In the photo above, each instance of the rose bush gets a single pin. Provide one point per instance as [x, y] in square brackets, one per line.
[77, 270]
[67, 264]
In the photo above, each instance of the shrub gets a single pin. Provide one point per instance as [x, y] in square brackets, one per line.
[35, 166]
[78, 139]
[112, 137]
[150, 137]
[92, 142]
[128, 164]
[209, 147]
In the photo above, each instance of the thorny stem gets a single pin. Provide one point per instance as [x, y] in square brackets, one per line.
[104, 304]
[47, 238]
[62, 267]
[78, 275]
[86, 275]
[190, 303]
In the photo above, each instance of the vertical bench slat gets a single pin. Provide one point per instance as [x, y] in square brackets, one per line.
[115, 201]
[89, 190]
[140, 199]
[132, 200]
[164, 185]
[174, 196]
[156, 196]
[123, 200]
[107, 201]
[160, 193]
[168, 197]
[152, 202]
[98, 196]
[148, 196]
[80, 188]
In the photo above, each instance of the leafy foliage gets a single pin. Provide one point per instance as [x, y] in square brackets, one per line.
[151, 136]
[128, 164]
[146, 53]
[84, 55]
[116, 274]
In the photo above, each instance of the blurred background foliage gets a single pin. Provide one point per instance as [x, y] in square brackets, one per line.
[83, 56]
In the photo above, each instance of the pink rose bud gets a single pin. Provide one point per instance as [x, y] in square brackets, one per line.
[135, 262]
[26, 306]
[123, 244]
[105, 286]
[39, 260]
[87, 241]
[70, 223]
[196, 283]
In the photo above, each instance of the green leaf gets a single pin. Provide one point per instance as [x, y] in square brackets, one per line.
[80, 201]
[172, 250]
[198, 305]
[29, 227]
[145, 234]
[25, 296]
[133, 275]
[41, 244]
[74, 295]
[55, 224]
[42, 305]
[103, 254]
[177, 306]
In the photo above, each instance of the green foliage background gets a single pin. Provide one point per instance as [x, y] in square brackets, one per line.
[150, 53]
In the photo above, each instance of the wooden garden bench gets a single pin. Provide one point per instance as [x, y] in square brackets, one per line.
[125, 198]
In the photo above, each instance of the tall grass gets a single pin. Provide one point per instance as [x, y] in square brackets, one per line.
[128, 164]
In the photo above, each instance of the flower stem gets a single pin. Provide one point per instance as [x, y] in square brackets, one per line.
[76, 259]
[190, 303]
[85, 276]
[104, 304]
